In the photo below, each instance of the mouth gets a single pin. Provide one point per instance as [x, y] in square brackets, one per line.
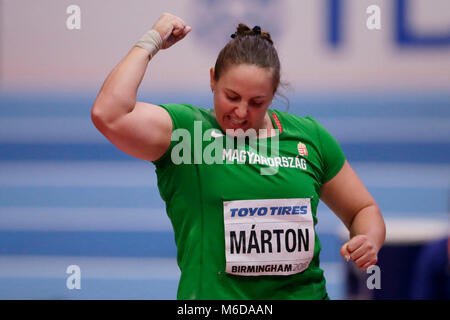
[235, 123]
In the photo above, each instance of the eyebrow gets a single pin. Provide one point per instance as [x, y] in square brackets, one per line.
[234, 92]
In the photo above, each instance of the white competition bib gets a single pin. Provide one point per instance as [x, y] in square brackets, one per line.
[268, 236]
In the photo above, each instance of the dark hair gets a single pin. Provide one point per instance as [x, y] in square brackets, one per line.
[250, 46]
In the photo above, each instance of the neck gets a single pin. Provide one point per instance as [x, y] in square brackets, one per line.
[268, 125]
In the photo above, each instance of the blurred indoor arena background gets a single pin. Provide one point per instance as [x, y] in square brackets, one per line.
[69, 197]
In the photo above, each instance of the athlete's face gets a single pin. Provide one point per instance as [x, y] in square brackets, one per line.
[242, 96]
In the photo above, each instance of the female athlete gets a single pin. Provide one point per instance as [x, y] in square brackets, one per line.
[241, 232]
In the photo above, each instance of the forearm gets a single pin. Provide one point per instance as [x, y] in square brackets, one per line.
[118, 93]
[369, 222]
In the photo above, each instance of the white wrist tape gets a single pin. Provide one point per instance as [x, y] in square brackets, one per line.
[151, 41]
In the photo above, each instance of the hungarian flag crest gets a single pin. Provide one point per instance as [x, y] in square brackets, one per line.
[302, 149]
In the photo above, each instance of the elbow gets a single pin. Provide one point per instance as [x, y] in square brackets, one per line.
[100, 118]
[102, 111]
[109, 107]
[96, 116]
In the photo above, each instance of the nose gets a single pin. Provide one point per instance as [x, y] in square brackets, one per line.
[241, 110]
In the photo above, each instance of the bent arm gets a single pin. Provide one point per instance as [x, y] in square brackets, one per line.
[139, 129]
[348, 198]
[117, 96]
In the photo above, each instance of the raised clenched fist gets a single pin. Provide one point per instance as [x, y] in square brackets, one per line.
[171, 29]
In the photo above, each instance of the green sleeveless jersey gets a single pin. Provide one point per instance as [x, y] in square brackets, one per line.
[244, 210]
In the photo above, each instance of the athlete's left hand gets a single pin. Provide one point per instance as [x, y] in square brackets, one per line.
[362, 250]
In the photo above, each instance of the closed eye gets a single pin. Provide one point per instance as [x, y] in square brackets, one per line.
[257, 104]
[233, 98]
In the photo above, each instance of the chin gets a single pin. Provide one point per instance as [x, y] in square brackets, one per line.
[241, 132]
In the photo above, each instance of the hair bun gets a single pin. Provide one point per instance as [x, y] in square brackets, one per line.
[256, 30]
[244, 30]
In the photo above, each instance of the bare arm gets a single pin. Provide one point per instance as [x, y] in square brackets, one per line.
[347, 197]
[140, 129]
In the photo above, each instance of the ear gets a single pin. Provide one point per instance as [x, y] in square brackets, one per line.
[211, 79]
